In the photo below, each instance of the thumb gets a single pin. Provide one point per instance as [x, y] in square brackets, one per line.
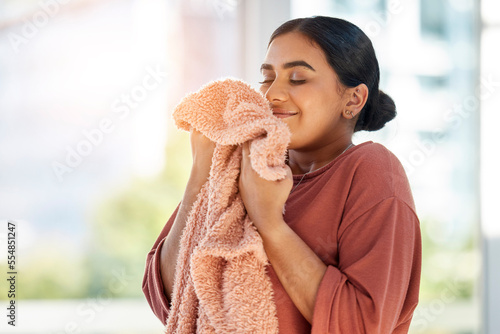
[246, 152]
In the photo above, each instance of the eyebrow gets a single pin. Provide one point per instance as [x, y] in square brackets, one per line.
[288, 65]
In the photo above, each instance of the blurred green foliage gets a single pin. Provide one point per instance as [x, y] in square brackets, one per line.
[50, 273]
[448, 267]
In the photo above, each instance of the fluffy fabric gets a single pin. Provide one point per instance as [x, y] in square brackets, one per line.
[221, 285]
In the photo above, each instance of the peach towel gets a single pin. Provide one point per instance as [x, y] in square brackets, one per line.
[221, 285]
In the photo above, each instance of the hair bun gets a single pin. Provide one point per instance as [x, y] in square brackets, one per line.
[378, 114]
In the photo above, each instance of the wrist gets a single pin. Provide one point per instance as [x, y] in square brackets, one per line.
[198, 176]
[271, 227]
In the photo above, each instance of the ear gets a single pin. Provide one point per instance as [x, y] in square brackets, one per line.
[356, 100]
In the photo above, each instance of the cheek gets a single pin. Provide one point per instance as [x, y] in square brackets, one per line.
[319, 90]
[316, 100]
[305, 97]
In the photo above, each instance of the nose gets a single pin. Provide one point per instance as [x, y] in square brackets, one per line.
[276, 92]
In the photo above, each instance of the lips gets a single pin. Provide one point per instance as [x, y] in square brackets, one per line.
[282, 113]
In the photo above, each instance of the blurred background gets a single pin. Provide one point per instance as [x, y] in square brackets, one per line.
[91, 165]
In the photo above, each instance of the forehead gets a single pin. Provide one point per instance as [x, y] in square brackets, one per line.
[294, 46]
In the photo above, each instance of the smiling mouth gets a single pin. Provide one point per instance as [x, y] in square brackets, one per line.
[282, 113]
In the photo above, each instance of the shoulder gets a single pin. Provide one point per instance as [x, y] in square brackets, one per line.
[377, 174]
[374, 155]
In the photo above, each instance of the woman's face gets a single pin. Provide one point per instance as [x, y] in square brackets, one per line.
[303, 91]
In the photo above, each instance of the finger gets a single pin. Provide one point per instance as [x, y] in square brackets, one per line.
[246, 151]
[246, 147]
[246, 164]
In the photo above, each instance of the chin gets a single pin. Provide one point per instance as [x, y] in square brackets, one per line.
[292, 145]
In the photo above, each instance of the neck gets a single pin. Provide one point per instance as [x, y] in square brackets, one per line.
[306, 161]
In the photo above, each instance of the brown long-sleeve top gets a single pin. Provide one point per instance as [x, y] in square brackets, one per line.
[357, 214]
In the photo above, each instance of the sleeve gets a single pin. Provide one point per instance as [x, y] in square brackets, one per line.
[375, 287]
[152, 284]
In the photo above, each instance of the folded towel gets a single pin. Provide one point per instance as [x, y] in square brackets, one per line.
[221, 285]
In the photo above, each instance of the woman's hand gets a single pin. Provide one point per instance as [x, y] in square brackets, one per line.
[299, 269]
[264, 200]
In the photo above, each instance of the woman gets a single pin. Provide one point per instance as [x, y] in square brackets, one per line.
[345, 255]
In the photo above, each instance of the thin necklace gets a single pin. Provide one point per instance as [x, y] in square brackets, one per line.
[348, 147]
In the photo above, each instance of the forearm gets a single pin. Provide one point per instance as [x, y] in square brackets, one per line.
[170, 250]
[299, 269]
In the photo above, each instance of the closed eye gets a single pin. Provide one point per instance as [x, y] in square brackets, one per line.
[297, 82]
[268, 81]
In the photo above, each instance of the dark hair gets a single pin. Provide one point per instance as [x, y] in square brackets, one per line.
[351, 55]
